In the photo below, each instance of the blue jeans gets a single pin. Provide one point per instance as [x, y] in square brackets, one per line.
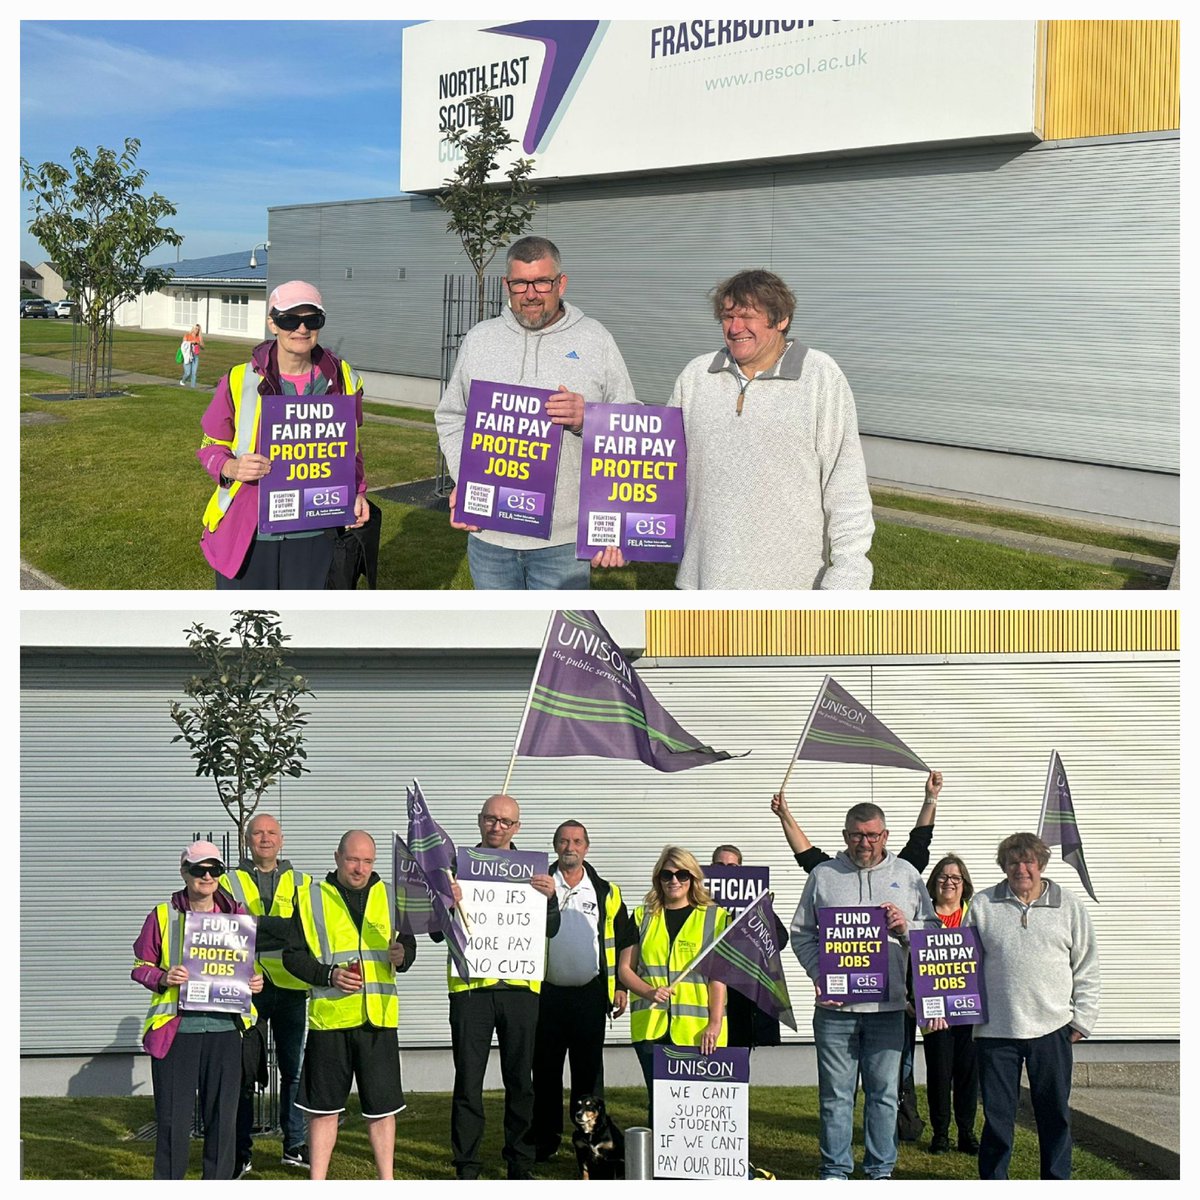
[189, 370]
[548, 568]
[1048, 1062]
[850, 1043]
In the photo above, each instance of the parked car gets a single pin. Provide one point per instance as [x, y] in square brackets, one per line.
[37, 308]
[64, 308]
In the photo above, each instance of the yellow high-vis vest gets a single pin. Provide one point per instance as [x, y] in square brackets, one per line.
[241, 886]
[164, 1006]
[335, 940]
[243, 390]
[659, 961]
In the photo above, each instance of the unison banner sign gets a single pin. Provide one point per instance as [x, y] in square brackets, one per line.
[701, 1113]
[853, 953]
[506, 918]
[736, 888]
[218, 951]
[947, 981]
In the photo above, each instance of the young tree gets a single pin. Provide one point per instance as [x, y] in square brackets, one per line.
[244, 726]
[96, 228]
[486, 216]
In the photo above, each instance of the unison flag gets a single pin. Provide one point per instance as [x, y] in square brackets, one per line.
[1057, 826]
[839, 729]
[747, 957]
[587, 699]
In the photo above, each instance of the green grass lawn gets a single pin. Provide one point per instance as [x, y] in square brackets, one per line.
[92, 1139]
[103, 510]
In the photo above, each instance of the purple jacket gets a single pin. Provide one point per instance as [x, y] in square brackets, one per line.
[147, 954]
[226, 547]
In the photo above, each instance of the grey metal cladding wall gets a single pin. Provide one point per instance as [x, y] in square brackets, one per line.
[102, 785]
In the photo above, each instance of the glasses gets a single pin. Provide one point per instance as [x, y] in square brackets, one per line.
[292, 321]
[199, 870]
[949, 879]
[519, 287]
[865, 837]
[678, 876]
[503, 822]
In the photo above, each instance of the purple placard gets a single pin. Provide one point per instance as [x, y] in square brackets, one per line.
[503, 866]
[218, 951]
[312, 442]
[736, 888]
[947, 980]
[853, 953]
[632, 482]
[509, 461]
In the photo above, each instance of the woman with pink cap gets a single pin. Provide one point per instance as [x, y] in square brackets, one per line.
[292, 364]
[190, 1052]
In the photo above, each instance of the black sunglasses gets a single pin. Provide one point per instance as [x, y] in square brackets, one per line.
[679, 876]
[199, 870]
[293, 321]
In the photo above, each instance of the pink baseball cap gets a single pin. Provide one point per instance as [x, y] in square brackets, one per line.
[199, 852]
[293, 294]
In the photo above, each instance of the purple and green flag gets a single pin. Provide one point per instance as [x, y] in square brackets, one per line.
[586, 698]
[747, 957]
[840, 729]
[1058, 826]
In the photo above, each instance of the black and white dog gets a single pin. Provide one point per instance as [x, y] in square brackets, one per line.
[599, 1144]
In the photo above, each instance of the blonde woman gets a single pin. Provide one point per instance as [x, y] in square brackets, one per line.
[191, 346]
[678, 918]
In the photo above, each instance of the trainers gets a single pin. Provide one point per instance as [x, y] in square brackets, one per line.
[297, 1156]
[243, 1169]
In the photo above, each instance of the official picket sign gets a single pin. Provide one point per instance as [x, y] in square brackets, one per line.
[633, 482]
[505, 917]
[509, 461]
[218, 951]
[853, 953]
[701, 1113]
[736, 888]
[311, 442]
[947, 980]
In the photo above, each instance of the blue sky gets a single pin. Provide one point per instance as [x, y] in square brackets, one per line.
[233, 116]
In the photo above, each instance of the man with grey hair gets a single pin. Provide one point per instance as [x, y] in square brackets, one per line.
[1041, 976]
[867, 1036]
[539, 341]
[776, 485]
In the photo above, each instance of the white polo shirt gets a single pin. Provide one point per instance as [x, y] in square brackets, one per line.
[574, 957]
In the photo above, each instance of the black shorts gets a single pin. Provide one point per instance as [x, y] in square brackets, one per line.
[335, 1057]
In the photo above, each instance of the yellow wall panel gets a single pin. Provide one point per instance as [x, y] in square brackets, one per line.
[1110, 77]
[748, 633]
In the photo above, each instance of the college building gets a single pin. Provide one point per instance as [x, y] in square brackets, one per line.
[982, 695]
[980, 220]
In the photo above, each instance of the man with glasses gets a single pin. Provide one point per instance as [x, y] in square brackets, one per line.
[540, 341]
[864, 1037]
[292, 364]
[1041, 976]
[509, 1007]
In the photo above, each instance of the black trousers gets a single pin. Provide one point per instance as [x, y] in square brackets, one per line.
[211, 1064]
[512, 1013]
[286, 1010]
[571, 1023]
[290, 565]
[952, 1067]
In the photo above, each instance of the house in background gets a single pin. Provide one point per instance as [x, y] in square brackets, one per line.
[31, 281]
[223, 293]
[53, 287]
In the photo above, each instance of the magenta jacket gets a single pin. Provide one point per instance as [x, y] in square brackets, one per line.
[226, 547]
[147, 950]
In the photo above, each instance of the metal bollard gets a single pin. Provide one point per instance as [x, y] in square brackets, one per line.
[639, 1153]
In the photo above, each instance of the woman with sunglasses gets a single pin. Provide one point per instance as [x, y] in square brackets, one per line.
[950, 1061]
[678, 918]
[292, 364]
[189, 1052]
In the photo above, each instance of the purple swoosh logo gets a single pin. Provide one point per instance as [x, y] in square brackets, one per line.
[566, 44]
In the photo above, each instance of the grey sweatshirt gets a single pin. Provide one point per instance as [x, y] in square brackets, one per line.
[1041, 970]
[776, 497]
[839, 882]
[577, 353]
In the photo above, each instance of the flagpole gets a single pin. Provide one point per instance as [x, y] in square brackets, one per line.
[807, 726]
[1046, 794]
[537, 670]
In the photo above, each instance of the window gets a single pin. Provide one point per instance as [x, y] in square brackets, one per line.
[187, 309]
[235, 311]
